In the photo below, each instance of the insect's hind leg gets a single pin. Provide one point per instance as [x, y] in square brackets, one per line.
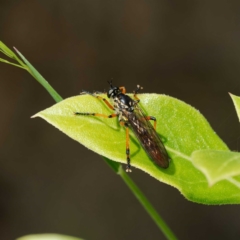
[128, 168]
[153, 119]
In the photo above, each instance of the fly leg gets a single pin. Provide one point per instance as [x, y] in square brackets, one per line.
[128, 168]
[138, 100]
[98, 97]
[96, 114]
[136, 92]
[153, 119]
[105, 100]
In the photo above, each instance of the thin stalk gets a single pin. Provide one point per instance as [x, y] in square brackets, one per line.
[13, 64]
[40, 79]
[147, 205]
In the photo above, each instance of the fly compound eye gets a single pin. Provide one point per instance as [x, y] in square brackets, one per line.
[113, 92]
[110, 93]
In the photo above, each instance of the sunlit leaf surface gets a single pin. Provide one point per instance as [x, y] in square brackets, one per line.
[217, 165]
[182, 128]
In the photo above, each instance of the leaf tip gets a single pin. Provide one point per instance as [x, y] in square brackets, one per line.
[231, 95]
[15, 49]
[35, 115]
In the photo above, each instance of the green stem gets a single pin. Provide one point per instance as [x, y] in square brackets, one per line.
[41, 79]
[116, 167]
[147, 205]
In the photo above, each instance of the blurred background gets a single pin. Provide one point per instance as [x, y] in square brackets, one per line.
[50, 183]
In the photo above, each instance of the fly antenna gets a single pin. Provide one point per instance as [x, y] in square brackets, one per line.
[110, 83]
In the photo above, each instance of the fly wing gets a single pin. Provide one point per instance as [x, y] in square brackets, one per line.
[148, 137]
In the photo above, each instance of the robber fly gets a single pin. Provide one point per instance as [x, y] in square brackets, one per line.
[131, 116]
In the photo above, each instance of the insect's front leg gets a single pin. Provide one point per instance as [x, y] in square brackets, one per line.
[98, 97]
[128, 168]
[105, 100]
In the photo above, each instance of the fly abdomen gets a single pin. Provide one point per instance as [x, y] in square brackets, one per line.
[148, 138]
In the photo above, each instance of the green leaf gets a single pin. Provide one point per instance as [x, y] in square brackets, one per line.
[183, 129]
[217, 165]
[236, 102]
[48, 236]
[25, 64]
[10, 63]
[5, 50]
[9, 53]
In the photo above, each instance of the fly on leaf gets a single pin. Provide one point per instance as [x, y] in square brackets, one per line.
[131, 116]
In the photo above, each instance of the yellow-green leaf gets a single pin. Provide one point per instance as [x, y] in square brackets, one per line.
[183, 130]
[217, 165]
[236, 102]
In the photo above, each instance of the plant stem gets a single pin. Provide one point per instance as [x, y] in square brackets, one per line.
[40, 79]
[116, 167]
[147, 205]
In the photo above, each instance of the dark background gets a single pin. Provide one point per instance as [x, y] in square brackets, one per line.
[49, 183]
